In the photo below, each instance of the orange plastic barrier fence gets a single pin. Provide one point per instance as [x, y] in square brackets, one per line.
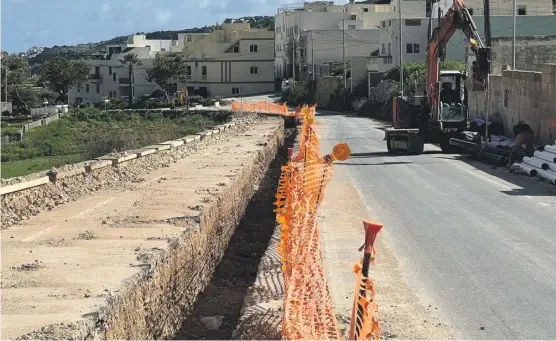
[262, 107]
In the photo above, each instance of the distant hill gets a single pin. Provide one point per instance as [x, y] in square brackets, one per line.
[81, 50]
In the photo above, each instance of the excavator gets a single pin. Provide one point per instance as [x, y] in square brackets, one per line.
[442, 111]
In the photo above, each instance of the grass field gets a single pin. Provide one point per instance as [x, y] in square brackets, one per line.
[92, 133]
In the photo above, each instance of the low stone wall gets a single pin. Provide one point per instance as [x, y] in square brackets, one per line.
[153, 303]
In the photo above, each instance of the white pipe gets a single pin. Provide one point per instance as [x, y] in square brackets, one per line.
[548, 175]
[538, 163]
[545, 156]
[550, 149]
[530, 170]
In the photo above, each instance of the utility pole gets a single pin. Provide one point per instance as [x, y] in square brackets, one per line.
[293, 63]
[401, 43]
[487, 85]
[344, 56]
[513, 40]
[313, 84]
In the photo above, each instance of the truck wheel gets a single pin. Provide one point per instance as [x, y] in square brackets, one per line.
[388, 145]
[417, 146]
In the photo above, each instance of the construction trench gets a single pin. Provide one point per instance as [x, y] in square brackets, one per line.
[162, 247]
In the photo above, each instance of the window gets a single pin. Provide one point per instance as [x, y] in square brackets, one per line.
[97, 70]
[409, 48]
[188, 72]
[354, 17]
[235, 91]
[87, 88]
[389, 23]
[351, 27]
[204, 72]
[236, 49]
[383, 49]
[470, 11]
[416, 48]
[79, 88]
[254, 70]
[110, 70]
[412, 22]
[389, 49]
[383, 24]
[253, 48]
[114, 76]
[189, 38]
[302, 52]
[98, 88]
[365, 9]
[522, 10]
[163, 49]
[506, 97]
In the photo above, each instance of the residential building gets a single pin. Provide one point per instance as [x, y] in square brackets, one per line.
[415, 38]
[360, 20]
[235, 60]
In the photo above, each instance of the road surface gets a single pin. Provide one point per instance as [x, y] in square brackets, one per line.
[476, 243]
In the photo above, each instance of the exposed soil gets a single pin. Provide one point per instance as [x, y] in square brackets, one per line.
[224, 296]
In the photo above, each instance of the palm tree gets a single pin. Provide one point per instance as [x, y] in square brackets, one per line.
[130, 60]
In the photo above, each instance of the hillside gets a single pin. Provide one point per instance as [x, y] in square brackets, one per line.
[80, 50]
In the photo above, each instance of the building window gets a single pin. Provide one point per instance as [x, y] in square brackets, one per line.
[114, 76]
[189, 38]
[109, 70]
[416, 48]
[470, 11]
[302, 52]
[409, 48]
[506, 97]
[351, 27]
[389, 23]
[97, 70]
[235, 91]
[188, 72]
[87, 88]
[522, 10]
[365, 9]
[254, 70]
[253, 48]
[412, 22]
[389, 49]
[354, 17]
[236, 49]
[98, 88]
[204, 72]
[383, 49]
[79, 88]
[383, 24]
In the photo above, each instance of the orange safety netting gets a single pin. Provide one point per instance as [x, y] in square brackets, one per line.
[262, 107]
[308, 313]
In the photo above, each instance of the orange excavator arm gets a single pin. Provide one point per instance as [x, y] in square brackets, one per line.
[458, 17]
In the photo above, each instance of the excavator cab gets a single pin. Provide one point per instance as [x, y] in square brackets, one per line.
[453, 111]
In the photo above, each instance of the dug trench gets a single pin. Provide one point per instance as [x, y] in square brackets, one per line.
[217, 309]
[122, 264]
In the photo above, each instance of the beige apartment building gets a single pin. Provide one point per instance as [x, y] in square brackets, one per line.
[235, 60]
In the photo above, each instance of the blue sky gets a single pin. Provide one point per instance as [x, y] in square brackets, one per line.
[27, 23]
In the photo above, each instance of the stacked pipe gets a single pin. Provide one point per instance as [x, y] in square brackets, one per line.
[542, 164]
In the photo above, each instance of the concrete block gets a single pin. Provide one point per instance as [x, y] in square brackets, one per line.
[143, 151]
[206, 134]
[24, 185]
[174, 144]
[159, 147]
[221, 127]
[191, 138]
[119, 159]
[97, 164]
[216, 131]
[78, 168]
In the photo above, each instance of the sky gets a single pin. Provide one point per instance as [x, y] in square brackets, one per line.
[28, 23]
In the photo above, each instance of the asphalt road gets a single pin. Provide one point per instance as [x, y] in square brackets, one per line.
[477, 240]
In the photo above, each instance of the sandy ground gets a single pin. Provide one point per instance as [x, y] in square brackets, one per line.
[402, 314]
[60, 265]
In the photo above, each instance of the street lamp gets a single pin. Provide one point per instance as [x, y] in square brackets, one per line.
[45, 102]
[106, 100]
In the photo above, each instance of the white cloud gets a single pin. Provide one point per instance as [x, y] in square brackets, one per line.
[203, 4]
[164, 15]
[105, 8]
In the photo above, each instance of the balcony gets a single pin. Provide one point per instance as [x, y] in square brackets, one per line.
[372, 64]
[95, 78]
[124, 82]
[204, 77]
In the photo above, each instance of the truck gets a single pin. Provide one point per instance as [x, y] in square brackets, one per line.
[441, 112]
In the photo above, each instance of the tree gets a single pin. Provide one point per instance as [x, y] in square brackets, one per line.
[166, 69]
[60, 75]
[18, 73]
[130, 60]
